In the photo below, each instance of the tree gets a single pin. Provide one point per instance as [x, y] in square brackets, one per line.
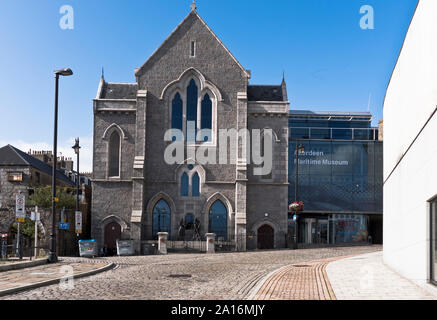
[27, 228]
[42, 197]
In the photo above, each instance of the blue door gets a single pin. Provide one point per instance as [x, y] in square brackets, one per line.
[218, 220]
[161, 218]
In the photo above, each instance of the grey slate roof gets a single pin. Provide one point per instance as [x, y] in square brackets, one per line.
[264, 93]
[11, 156]
[113, 90]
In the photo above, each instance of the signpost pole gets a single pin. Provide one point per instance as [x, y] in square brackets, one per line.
[20, 215]
[36, 232]
[18, 241]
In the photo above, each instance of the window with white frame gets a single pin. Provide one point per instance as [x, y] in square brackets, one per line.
[192, 113]
[190, 182]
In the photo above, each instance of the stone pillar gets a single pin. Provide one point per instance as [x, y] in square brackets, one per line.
[162, 242]
[138, 171]
[210, 242]
[241, 174]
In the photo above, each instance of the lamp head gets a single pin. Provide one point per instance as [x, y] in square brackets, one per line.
[64, 72]
[76, 146]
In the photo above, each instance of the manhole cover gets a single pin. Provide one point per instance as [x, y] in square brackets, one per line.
[180, 276]
[301, 266]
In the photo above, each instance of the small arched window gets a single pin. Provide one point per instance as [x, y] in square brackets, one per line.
[192, 110]
[114, 155]
[196, 185]
[184, 185]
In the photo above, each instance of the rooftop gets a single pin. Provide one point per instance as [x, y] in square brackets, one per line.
[11, 156]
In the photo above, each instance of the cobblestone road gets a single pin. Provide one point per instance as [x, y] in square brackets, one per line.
[192, 276]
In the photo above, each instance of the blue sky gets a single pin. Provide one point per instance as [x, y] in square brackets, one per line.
[330, 63]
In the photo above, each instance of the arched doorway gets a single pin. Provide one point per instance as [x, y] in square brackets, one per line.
[112, 234]
[161, 218]
[218, 220]
[266, 237]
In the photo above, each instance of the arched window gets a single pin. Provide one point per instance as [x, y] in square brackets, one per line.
[161, 217]
[195, 182]
[192, 110]
[206, 116]
[218, 220]
[114, 155]
[184, 185]
[176, 112]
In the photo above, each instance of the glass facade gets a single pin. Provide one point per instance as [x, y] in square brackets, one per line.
[339, 179]
[337, 176]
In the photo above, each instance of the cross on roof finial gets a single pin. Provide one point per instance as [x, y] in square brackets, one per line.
[193, 6]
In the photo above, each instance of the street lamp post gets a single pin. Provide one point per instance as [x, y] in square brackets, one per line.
[300, 149]
[76, 148]
[52, 255]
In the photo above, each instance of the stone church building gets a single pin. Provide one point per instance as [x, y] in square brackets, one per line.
[191, 77]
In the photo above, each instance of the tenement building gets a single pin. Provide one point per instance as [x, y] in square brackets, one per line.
[338, 177]
[182, 146]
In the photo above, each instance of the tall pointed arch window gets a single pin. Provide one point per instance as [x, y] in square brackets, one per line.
[161, 217]
[192, 92]
[176, 112]
[267, 134]
[114, 155]
[218, 219]
[206, 117]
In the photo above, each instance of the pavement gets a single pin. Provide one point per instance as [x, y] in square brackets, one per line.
[14, 264]
[62, 273]
[366, 277]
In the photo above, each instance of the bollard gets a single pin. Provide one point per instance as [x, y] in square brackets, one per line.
[162, 242]
[210, 243]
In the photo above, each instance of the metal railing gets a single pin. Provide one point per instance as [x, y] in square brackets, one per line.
[11, 252]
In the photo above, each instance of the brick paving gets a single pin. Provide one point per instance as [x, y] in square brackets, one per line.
[298, 282]
[366, 277]
[221, 276]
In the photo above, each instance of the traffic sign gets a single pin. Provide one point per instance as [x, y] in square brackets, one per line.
[35, 216]
[20, 207]
[64, 226]
[78, 218]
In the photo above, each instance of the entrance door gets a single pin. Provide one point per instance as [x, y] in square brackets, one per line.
[266, 237]
[112, 234]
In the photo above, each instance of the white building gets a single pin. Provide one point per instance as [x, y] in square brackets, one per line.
[410, 151]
